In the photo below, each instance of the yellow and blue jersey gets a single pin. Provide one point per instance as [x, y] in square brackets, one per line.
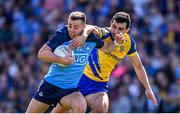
[101, 64]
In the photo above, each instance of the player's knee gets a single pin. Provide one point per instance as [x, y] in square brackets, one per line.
[105, 108]
[79, 107]
[101, 104]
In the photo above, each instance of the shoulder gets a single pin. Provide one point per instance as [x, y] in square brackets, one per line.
[62, 30]
[62, 33]
[132, 42]
[130, 38]
[59, 37]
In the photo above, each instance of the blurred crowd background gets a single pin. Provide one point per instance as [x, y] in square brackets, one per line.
[25, 25]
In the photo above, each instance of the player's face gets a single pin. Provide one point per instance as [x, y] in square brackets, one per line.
[117, 28]
[75, 28]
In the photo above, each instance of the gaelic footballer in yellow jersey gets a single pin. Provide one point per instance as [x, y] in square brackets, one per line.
[93, 83]
[101, 64]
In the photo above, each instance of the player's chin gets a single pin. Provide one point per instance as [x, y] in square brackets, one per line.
[73, 34]
[76, 35]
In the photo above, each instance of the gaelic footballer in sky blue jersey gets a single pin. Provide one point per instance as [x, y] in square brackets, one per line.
[68, 77]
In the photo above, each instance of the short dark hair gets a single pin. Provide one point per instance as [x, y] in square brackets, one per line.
[77, 15]
[122, 17]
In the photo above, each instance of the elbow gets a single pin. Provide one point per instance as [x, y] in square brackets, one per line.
[40, 55]
[43, 53]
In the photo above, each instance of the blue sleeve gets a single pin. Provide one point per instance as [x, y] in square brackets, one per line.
[133, 46]
[57, 39]
[95, 39]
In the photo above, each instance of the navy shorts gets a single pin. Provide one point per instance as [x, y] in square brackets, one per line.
[88, 86]
[50, 94]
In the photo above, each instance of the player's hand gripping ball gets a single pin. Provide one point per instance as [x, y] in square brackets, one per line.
[62, 51]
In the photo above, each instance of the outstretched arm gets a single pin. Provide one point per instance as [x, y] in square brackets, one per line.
[142, 76]
[79, 41]
[108, 46]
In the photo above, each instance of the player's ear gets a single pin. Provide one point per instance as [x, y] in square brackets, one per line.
[127, 30]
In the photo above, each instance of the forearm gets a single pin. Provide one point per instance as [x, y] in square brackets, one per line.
[142, 76]
[45, 54]
[50, 57]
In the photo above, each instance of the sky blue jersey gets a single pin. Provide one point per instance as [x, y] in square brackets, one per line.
[68, 77]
